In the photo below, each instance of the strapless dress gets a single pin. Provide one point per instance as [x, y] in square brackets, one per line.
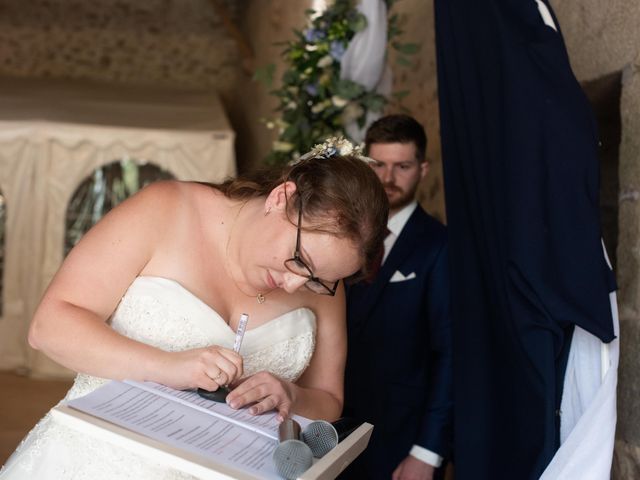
[159, 312]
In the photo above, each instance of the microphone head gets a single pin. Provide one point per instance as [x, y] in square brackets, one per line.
[321, 437]
[292, 458]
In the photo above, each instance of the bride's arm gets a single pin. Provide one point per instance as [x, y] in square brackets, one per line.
[320, 390]
[318, 394]
[69, 324]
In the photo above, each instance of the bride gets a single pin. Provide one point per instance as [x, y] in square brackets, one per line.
[156, 289]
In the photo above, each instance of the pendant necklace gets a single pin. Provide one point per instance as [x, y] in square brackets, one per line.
[260, 296]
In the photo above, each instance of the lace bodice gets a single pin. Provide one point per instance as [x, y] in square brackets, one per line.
[162, 313]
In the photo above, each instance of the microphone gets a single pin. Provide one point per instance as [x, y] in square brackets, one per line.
[322, 436]
[345, 426]
[292, 457]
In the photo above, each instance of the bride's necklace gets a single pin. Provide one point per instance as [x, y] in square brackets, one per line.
[260, 296]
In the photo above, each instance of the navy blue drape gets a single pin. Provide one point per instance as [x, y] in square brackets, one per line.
[519, 148]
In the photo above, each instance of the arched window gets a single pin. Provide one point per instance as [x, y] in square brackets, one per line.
[105, 188]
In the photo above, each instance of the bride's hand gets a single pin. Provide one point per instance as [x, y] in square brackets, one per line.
[267, 392]
[208, 368]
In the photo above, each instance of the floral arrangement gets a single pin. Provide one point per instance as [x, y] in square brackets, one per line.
[314, 103]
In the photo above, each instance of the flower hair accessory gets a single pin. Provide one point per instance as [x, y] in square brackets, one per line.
[333, 146]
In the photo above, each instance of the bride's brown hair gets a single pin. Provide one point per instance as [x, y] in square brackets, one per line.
[340, 195]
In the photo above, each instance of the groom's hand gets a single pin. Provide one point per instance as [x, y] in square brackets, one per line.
[413, 469]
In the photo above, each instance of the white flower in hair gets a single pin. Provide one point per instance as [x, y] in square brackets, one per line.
[334, 146]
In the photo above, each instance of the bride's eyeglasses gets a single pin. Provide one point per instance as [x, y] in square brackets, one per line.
[296, 265]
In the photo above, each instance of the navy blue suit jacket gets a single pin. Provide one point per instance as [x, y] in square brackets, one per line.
[398, 374]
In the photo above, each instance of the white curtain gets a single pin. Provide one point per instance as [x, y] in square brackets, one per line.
[49, 147]
[364, 61]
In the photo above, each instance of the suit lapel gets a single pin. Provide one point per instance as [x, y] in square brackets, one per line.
[404, 245]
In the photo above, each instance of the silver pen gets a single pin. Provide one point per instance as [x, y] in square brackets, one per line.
[242, 325]
[220, 395]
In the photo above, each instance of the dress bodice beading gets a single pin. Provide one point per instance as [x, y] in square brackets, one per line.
[161, 312]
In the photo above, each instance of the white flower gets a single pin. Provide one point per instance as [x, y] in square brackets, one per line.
[339, 101]
[311, 48]
[319, 107]
[344, 146]
[282, 125]
[333, 146]
[325, 61]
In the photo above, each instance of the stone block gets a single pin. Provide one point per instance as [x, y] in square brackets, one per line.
[626, 461]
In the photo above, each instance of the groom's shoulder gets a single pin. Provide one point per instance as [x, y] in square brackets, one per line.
[429, 224]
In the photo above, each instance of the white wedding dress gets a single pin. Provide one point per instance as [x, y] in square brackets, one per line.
[159, 312]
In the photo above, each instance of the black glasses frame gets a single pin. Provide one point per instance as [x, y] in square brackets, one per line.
[325, 289]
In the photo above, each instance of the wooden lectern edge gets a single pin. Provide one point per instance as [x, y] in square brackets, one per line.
[326, 468]
[334, 462]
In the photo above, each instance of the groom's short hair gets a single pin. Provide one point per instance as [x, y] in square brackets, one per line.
[398, 128]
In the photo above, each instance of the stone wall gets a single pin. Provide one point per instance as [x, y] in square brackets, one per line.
[627, 459]
[602, 38]
[160, 42]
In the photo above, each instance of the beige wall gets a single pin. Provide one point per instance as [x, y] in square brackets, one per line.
[422, 102]
[264, 23]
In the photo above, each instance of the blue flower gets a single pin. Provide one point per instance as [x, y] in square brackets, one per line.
[337, 49]
[313, 35]
[311, 89]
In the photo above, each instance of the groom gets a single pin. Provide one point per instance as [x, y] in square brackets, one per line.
[398, 373]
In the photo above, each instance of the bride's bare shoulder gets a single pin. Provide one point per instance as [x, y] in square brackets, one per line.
[173, 195]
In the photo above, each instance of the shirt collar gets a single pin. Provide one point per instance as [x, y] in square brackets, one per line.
[396, 223]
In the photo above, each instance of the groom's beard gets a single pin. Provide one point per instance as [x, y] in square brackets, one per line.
[398, 197]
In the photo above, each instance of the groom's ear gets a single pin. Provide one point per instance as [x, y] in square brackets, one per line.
[279, 196]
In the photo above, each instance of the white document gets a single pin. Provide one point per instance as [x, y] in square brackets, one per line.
[265, 424]
[189, 422]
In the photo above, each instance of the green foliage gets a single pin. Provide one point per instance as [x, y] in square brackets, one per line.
[313, 102]
[265, 74]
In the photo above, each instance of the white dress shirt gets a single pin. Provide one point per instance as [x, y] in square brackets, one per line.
[395, 225]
